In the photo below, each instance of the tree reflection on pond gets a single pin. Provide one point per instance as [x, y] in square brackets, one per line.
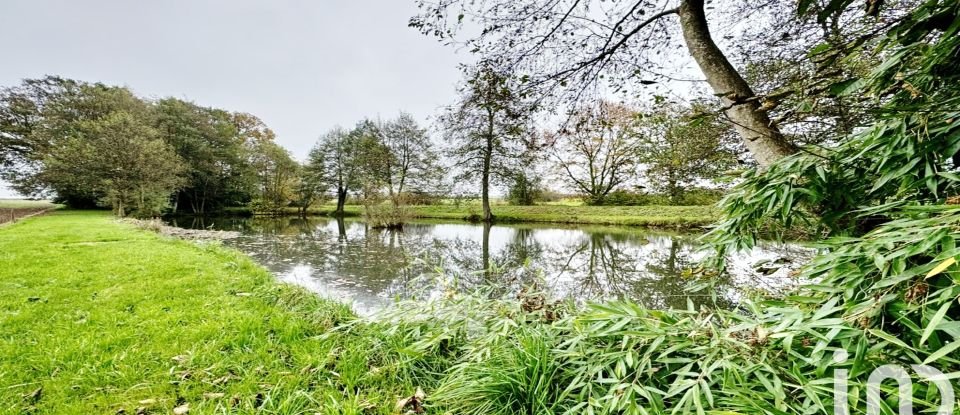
[348, 260]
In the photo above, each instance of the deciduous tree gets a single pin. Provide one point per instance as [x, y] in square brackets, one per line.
[277, 176]
[338, 150]
[213, 149]
[682, 147]
[598, 152]
[412, 161]
[121, 158]
[485, 129]
[40, 116]
[313, 182]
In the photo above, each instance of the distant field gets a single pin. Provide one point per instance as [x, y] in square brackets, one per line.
[13, 209]
[23, 203]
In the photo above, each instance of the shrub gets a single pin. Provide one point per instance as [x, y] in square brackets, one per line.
[419, 198]
[692, 197]
[386, 215]
[525, 190]
[700, 197]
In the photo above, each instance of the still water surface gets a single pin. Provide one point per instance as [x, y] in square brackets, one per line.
[371, 268]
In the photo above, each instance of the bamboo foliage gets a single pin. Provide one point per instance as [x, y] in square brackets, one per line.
[884, 289]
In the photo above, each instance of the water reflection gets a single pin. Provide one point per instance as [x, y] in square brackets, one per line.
[370, 267]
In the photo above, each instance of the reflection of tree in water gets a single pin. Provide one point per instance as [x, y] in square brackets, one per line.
[670, 265]
[647, 269]
[350, 259]
[344, 252]
[465, 264]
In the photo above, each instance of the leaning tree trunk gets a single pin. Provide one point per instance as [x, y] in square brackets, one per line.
[760, 135]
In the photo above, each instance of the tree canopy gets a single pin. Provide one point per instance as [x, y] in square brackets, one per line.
[94, 144]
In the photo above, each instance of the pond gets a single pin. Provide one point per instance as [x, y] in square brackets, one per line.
[370, 268]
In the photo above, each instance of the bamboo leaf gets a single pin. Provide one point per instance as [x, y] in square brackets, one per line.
[942, 267]
[945, 350]
[935, 321]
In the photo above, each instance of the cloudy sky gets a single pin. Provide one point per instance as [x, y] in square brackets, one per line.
[301, 66]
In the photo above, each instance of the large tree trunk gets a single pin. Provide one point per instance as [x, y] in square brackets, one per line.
[760, 135]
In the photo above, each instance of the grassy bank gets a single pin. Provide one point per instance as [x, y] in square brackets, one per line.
[98, 316]
[654, 216]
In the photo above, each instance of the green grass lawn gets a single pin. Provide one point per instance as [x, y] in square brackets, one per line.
[99, 317]
[657, 216]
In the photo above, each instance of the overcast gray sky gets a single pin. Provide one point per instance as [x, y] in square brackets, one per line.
[301, 66]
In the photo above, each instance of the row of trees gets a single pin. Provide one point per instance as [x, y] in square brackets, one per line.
[597, 150]
[93, 144]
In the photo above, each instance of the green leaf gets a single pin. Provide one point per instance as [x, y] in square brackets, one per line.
[935, 321]
[945, 350]
[823, 47]
[846, 87]
[889, 338]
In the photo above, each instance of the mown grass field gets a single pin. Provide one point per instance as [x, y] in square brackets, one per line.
[100, 317]
[655, 216]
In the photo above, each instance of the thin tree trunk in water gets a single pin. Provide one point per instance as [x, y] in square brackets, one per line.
[341, 229]
[672, 259]
[393, 195]
[760, 135]
[485, 185]
[485, 250]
